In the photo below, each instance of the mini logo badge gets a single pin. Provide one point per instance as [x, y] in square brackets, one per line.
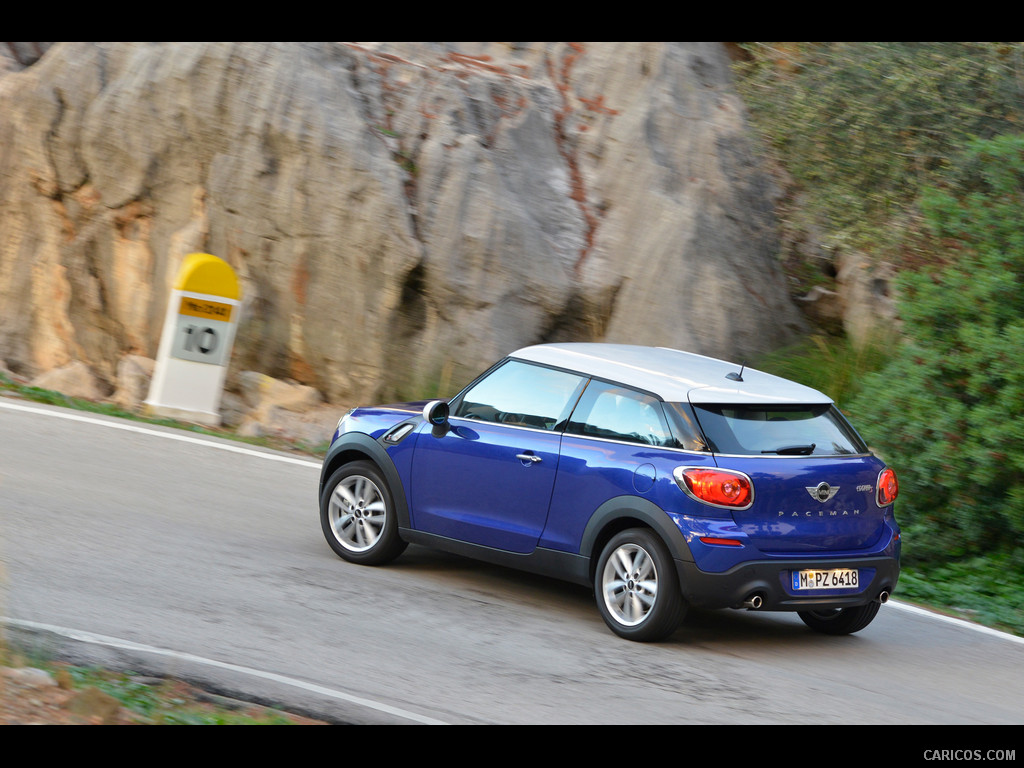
[823, 492]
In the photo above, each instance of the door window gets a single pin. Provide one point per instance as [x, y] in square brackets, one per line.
[522, 395]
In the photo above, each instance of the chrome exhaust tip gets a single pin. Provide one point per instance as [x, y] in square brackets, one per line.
[883, 598]
[753, 602]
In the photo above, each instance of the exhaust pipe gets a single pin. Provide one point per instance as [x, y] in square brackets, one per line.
[753, 602]
[883, 598]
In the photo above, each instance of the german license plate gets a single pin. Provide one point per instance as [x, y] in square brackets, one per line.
[836, 578]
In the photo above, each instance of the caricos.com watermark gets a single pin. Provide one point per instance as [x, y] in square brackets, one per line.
[970, 754]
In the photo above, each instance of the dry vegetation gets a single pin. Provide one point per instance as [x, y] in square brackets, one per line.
[32, 696]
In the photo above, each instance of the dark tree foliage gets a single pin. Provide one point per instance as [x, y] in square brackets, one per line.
[864, 126]
[948, 409]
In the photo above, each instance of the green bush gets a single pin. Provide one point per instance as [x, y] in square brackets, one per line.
[948, 410]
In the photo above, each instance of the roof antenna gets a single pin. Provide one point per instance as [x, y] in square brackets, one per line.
[736, 376]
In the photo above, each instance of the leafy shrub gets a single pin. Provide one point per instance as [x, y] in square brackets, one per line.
[948, 411]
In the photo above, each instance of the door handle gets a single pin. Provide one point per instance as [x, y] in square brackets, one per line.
[528, 457]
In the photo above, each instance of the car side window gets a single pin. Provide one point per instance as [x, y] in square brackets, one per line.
[618, 413]
[523, 395]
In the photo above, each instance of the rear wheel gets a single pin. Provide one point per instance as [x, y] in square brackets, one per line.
[358, 516]
[840, 621]
[637, 588]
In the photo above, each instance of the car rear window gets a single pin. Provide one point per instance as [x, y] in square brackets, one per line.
[783, 430]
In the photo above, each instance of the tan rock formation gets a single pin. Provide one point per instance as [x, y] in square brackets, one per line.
[400, 214]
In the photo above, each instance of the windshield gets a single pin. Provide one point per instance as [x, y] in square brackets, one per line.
[777, 430]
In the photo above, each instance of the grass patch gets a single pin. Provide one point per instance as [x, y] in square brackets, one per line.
[91, 695]
[985, 590]
[169, 702]
[831, 365]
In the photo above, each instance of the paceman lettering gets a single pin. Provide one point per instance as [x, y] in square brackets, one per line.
[822, 513]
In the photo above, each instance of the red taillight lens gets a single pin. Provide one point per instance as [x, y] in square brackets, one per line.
[888, 487]
[718, 487]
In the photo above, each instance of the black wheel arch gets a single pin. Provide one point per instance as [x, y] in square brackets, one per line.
[624, 512]
[358, 446]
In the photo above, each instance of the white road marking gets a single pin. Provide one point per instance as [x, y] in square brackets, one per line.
[953, 620]
[131, 427]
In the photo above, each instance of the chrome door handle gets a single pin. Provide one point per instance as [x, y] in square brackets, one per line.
[528, 457]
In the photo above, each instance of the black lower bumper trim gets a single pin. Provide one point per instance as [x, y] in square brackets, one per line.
[767, 579]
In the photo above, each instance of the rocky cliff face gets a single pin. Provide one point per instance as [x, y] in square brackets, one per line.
[399, 214]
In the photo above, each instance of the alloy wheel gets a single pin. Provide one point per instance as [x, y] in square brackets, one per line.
[630, 584]
[357, 512]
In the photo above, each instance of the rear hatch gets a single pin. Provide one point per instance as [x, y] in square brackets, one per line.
[814, 479]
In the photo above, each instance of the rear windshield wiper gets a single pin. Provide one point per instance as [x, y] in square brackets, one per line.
[794, 450]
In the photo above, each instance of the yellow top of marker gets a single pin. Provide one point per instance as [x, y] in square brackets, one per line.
[203, 273]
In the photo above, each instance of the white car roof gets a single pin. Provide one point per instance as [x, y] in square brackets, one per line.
[673, 375]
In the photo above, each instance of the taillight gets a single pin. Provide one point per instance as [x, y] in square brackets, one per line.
[717, 487]
[888, 487]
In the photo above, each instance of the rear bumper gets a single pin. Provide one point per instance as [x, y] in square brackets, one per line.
[771, 581]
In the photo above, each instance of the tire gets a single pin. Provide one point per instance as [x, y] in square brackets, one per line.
[841, 621]
[637, 587]
[357, 514]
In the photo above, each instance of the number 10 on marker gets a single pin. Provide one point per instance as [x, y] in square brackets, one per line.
[202, 339]
[202, 342]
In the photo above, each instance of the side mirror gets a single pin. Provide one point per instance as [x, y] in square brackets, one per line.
[436, 412]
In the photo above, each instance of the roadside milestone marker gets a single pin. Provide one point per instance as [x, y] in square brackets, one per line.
[195, 348]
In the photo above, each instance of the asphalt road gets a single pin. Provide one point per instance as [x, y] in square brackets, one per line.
[171, 553]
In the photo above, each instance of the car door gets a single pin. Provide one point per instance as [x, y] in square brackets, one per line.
[613, 446]
[487, 478]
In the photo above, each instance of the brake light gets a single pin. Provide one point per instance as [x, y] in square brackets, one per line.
[717, 487]
[888, 487]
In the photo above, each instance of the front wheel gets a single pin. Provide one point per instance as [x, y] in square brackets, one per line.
[637, 588]
[357, 514]
[840, 621]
